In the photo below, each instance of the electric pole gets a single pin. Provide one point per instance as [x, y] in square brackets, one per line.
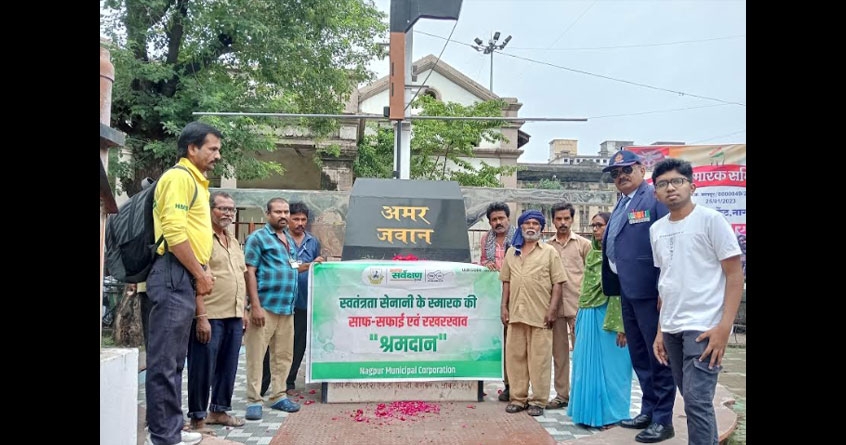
[490, 48]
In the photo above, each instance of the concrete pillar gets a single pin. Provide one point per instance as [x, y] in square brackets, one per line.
[228, 183]
[118, 396]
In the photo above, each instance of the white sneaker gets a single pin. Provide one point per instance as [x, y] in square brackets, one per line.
[188, 438]
[191, 438]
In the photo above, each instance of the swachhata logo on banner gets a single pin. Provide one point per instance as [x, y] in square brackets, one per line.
[384, 321]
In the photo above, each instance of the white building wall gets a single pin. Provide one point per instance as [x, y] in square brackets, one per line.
[447, 91]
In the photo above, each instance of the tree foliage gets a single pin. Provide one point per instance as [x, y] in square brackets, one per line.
[175, 57]
[440, 149]
[548, 184]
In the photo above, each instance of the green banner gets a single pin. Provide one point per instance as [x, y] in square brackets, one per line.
[383, 321]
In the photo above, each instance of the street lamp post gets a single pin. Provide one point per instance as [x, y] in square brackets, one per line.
[490, 48]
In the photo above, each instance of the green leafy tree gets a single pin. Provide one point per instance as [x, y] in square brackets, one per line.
[440, 149]
[548, 184]
[175, 57]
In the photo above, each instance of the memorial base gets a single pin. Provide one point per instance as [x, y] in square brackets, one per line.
[439, 391]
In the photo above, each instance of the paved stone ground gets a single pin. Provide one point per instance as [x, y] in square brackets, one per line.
[733, 378]
[556, 422]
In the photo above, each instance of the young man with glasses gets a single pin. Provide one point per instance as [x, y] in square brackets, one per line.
[628, 271]
[701, 283]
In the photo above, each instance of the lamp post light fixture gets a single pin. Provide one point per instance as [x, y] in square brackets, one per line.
[490, 48]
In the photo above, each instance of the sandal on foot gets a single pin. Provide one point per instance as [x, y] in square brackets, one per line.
[514, 408]
[535, 410]
[227, 421]
[253, 412]
[556, 403]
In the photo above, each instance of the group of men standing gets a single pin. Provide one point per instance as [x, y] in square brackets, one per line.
[204, 295]
[676, 266]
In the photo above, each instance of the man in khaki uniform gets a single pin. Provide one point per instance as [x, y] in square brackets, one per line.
[573, 249]
[531, 276]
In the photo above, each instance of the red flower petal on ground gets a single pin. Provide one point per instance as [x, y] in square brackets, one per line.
[308, 402]
[312, 391]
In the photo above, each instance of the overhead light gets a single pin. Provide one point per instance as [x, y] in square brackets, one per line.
[478, 41]
[505, 42]
[496, 36]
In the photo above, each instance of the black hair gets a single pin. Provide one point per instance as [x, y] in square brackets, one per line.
[194, 133]
[669, 164]
[299, 207]
[272, 200]
[563, 206]
[604, 215]
[498, 206]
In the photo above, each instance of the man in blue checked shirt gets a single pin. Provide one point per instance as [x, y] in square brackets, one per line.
[308, 252]
[272, 267]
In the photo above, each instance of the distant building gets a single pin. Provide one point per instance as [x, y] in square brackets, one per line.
[567, 169]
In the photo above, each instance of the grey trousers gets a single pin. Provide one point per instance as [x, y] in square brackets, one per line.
[170, 290]
[696, 383]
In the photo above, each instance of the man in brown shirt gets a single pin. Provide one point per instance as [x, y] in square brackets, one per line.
[573, 249]
[219, 326]
[531, 277]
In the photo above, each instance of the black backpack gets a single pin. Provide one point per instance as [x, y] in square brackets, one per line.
[130, 236]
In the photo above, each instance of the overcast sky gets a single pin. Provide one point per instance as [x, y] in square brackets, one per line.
[642, 71]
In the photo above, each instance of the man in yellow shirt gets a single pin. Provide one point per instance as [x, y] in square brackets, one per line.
[178, 278]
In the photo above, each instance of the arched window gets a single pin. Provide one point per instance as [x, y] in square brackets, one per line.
[432, 93]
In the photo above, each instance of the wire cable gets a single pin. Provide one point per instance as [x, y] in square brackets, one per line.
[671, 110]
[643, 85]
[433, 67]
[681, 93]
[720, 136]
[642, 45]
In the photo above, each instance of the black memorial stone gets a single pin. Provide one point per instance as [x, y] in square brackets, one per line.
[389, 217]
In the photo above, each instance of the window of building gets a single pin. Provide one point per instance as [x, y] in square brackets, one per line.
[432, 93]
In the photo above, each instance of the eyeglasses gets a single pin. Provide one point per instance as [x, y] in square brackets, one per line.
[616, 172]
[596, 226]
[231, 210]
[677, 182]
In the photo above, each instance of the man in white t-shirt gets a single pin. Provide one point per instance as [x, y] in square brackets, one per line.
[700, 285]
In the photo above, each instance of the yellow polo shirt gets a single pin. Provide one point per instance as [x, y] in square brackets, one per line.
[172, 216]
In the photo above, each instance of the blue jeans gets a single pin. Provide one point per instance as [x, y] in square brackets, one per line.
[170, 289]
[640, 319]
[213, 365]
[696, 383]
